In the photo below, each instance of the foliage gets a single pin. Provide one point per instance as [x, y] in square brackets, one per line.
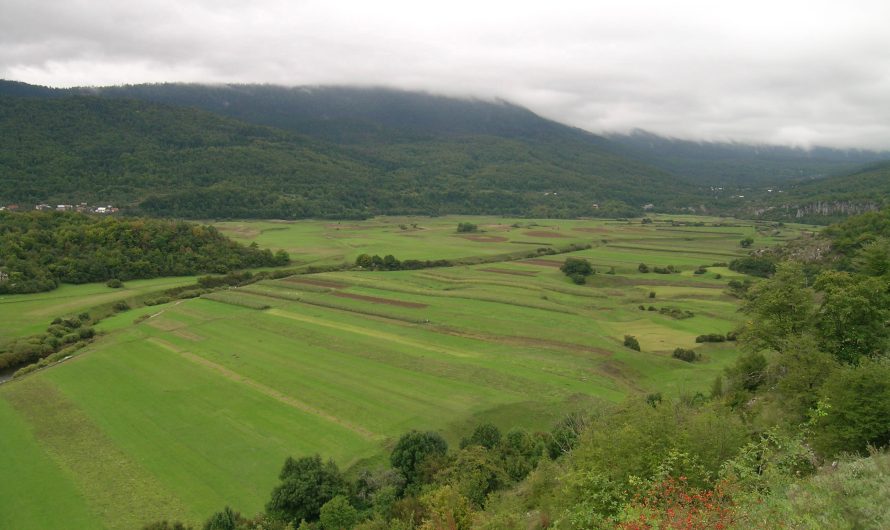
[631, 342]
[781, 309]
[412, 449]
[306, 485]
[40, 250]
[859, 409]
[486, 434]
[224, 520]
[446, 509]
[174, 160]
[467, 227]
[754, 265]
[672, 503]
[852, 317]
[685, 355]
[338, 514]
[475, 472]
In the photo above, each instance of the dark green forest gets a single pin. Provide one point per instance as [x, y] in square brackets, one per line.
[795, 431]
[39, 250]
[742, 166]
[262, 151]
[174, 161]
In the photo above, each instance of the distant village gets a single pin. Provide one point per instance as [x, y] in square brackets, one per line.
[81, 207]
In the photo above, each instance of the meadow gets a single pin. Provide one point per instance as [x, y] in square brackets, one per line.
[179, 409]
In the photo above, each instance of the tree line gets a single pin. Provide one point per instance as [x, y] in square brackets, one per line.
[40, 250]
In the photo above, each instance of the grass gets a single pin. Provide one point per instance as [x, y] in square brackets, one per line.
[199, 401]
[28, 314]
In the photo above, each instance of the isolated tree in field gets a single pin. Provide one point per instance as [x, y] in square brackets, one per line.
[746, 243]
[467, 227]
[631, 342]
[578, 269]
[642, 267]
[413, 449]
[306, 485]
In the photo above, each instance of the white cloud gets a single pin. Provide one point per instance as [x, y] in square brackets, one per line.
[768, 71]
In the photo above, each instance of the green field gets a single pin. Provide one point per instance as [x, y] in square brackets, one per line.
[180, 409]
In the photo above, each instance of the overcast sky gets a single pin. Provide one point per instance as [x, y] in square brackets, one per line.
[801, 73]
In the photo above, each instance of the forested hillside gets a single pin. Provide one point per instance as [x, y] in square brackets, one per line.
[741, 165]
[346, 152]
[833, 198]
[372, 152]
[40, 250]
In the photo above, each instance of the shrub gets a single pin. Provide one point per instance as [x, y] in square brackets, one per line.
[643, 267]
[754, 265]
[631, 342]
[467, 227]
[114, 283]
[121, 306]
[224, 520]
[651, 294]
[710, 337]
[685, 355]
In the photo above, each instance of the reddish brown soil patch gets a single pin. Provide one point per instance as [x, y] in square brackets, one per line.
[377, 300]
[544, 233]
[542, 262]
[508, 271]
[320, 283]
[486, 239]
[527, 342]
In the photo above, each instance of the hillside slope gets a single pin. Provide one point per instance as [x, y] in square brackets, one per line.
[742, 165]
[827, 200]
[456, 156]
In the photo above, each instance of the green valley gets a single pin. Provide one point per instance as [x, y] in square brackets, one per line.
[198, 401]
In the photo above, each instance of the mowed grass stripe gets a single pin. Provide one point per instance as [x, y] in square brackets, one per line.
[263, 389]
[106, 476]
[209, 440]
[492, 366]
[31, 477]
[385, 387]
[377, 334]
